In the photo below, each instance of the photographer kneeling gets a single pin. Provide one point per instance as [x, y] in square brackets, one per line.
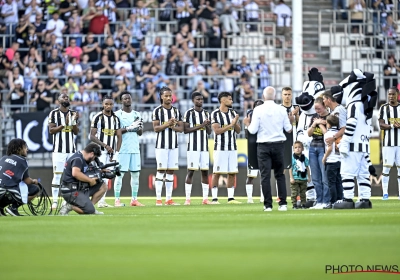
[77, 187]
[16, 187]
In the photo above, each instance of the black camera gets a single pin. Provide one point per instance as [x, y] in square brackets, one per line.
[95, 171]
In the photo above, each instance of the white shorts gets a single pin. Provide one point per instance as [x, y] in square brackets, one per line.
[391, 155]
[167, 159]
[105, 159]
[198, 159]
[252, 173]
[59, 160]
[225, 162]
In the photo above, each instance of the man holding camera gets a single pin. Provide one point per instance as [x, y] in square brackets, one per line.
[77, 187]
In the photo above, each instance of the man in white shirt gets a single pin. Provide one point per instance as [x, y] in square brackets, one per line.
[196, 72]
[268, 121]
[251, 9]
[124, 63]
[9, 13]
[57, 27]
[283, 14]
[32, 11]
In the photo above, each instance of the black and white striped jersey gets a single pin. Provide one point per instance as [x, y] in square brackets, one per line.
[168, 138]
[227, 140]
[63, 141]
[197, 140]
[107, 127]
[358, 128]
[389, 114]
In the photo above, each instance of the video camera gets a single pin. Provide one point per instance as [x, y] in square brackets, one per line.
[95, 171]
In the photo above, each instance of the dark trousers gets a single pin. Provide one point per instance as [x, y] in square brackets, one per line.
[334, 180]
[270, 156]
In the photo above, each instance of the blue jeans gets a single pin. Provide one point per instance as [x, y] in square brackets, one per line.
[343, 6]
[318, 174]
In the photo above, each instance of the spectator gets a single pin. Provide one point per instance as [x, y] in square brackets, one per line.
[123, 63]
[33, 55]
[215, 35]
[380, 8]
[57, 27]
[75, 26]
[244, 67]
[186, 54]
[9, 13]
[104, 68]
[80, 99]
[200, 87]
[157, 51]
[119, 87]
[245, 93]
[52, 44]
[5, 70]
[166, 10]
[125, 47]
[40, 27]
[52, 83]
[142, 78]
[205, 14]
[90, 83]
[65, 9]
[263, 71]
[42, 97]
[32, 11]
[252, 11]
[74, 70]
[73, 50]
[122, 5]
[30, 73]
[85, 63]
[389, 33]
[224, 10]
[54, 63]
[213, 71]
[16, 62]
[142, 16]
[110, 50]
[184, 37]
[357, 15]
[17, 76]
[134, 31]
[227, 70]
[343, 6]
[10, 52]
[237, 5]
[71, 87]
[185, 14]
[21, 32]
[159, 79]
[149, 95]
[282, 14]
[196, 72]
[109, 8]
[16, 96]
[148, 63]
[91, 48]
[33, 39]
[390, 72]
[99, 23]
[174, 62]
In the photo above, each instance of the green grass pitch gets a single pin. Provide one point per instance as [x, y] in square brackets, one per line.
[200, 242]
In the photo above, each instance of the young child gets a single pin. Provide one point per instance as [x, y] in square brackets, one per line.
[299, 175]
[331, 160]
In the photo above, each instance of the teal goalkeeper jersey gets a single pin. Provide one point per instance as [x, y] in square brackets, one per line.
[130, 140]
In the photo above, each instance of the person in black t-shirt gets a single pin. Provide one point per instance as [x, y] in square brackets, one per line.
[104, 68]
[91, 48]
[110, 49]
[42, 97]
[77, 187]
[16, 95]
[16, 186]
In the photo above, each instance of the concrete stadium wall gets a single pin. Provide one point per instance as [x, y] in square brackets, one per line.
[147, 179]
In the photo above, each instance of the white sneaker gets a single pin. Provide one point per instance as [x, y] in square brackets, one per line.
[250, 201]
[282, 208]
[318, 206]
[65, 209]
[54, 205]
[103, 205]
[98, 212]
[267, 209]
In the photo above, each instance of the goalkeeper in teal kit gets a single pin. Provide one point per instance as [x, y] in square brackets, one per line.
[128, 154]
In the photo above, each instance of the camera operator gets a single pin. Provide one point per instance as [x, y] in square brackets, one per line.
[16, 187]
[77, 187]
